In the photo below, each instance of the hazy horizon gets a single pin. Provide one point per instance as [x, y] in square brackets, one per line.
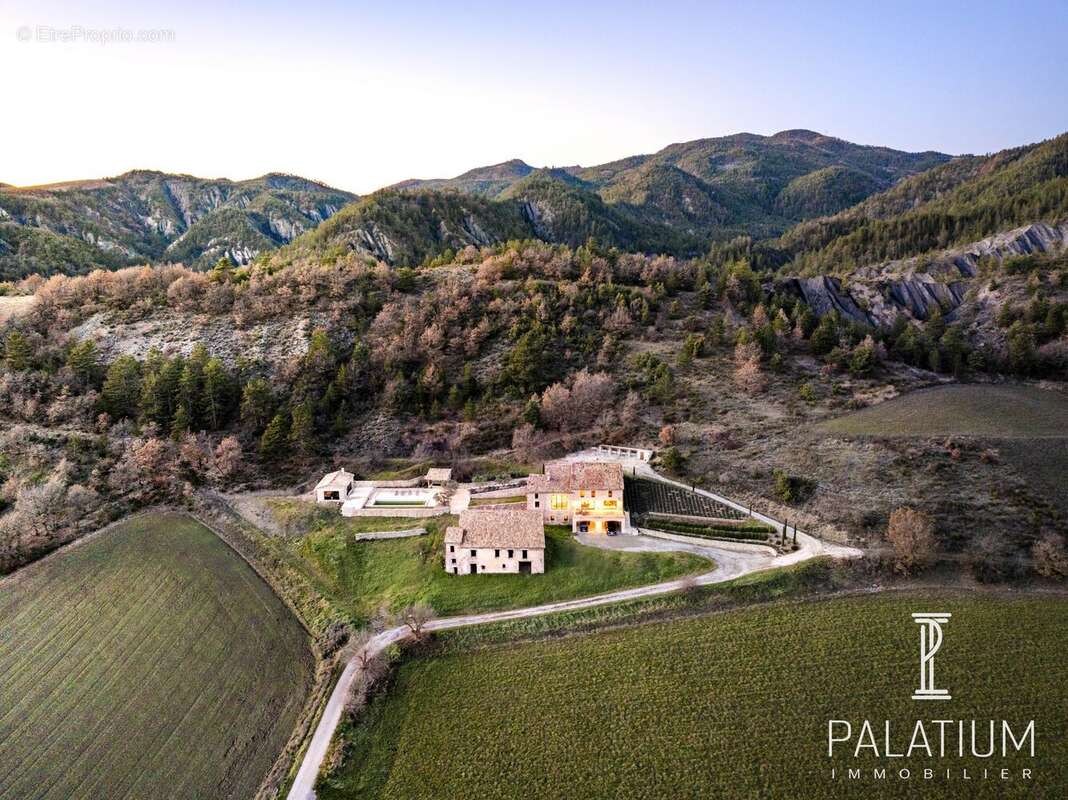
[359, 96]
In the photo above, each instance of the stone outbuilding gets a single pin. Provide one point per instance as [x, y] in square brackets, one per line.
[438, 476]
[334, 487]
[496, 540]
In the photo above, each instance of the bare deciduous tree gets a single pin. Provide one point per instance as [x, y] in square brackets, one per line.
[911, 533]
[748, 374]
[228, 457]
[1051, 560]
[415, 617]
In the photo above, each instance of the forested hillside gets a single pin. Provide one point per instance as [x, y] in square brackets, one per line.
[953, 204]
[713, 188]
[143, 216]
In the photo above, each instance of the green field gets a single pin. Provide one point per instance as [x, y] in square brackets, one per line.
[1004, 411]
[362, 576]
[733, 705]
[150, 662]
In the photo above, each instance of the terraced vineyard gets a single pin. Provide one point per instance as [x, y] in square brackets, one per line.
[733, 705]
[755, 531]
[646, 496]
[150, 662]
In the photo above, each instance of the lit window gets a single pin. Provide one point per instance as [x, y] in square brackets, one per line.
[559, 501]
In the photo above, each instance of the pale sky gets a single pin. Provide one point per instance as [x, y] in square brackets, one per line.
[363, 94]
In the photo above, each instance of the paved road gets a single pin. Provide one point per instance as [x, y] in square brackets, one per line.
[729, 563]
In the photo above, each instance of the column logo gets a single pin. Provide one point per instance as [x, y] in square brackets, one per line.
[931, 636]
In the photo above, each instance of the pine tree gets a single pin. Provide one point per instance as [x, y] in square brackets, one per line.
[302, 427]
[121, 393]
[215, 398]
[468, 383]
[318, 360]
[181, 422]
[455, 399]
[82, 360]
[223, 271]
[1021, 341]
[825, 337]
[273, 440]
[17, 352]
[532, 411]
[191, 385]
[257, 404]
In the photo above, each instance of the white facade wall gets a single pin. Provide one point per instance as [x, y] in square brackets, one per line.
[459, 559]
[332, 494]
[569, 514]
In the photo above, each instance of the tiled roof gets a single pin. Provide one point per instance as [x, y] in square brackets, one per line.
[498, 528]
[439, 474]
[335, 480]
[596, 475]
[563, 476]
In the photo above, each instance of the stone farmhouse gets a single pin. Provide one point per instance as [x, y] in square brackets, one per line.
[496, 540]
[584, 494]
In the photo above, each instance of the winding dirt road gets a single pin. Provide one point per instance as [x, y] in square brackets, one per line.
[729, 563]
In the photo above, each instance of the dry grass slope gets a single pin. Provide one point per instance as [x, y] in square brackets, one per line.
[1004, 411]
[148, 662]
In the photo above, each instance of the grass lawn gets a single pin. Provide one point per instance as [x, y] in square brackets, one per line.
[733, 705]
[400, 469]
[149, 662]
[361, 577]
[477, 501]
[1004, 411]
[299, 517]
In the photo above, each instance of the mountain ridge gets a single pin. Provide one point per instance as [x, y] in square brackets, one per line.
[737, 179]
[143, 216]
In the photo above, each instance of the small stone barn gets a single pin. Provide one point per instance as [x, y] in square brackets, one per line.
[334, 487]
[438, 476]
